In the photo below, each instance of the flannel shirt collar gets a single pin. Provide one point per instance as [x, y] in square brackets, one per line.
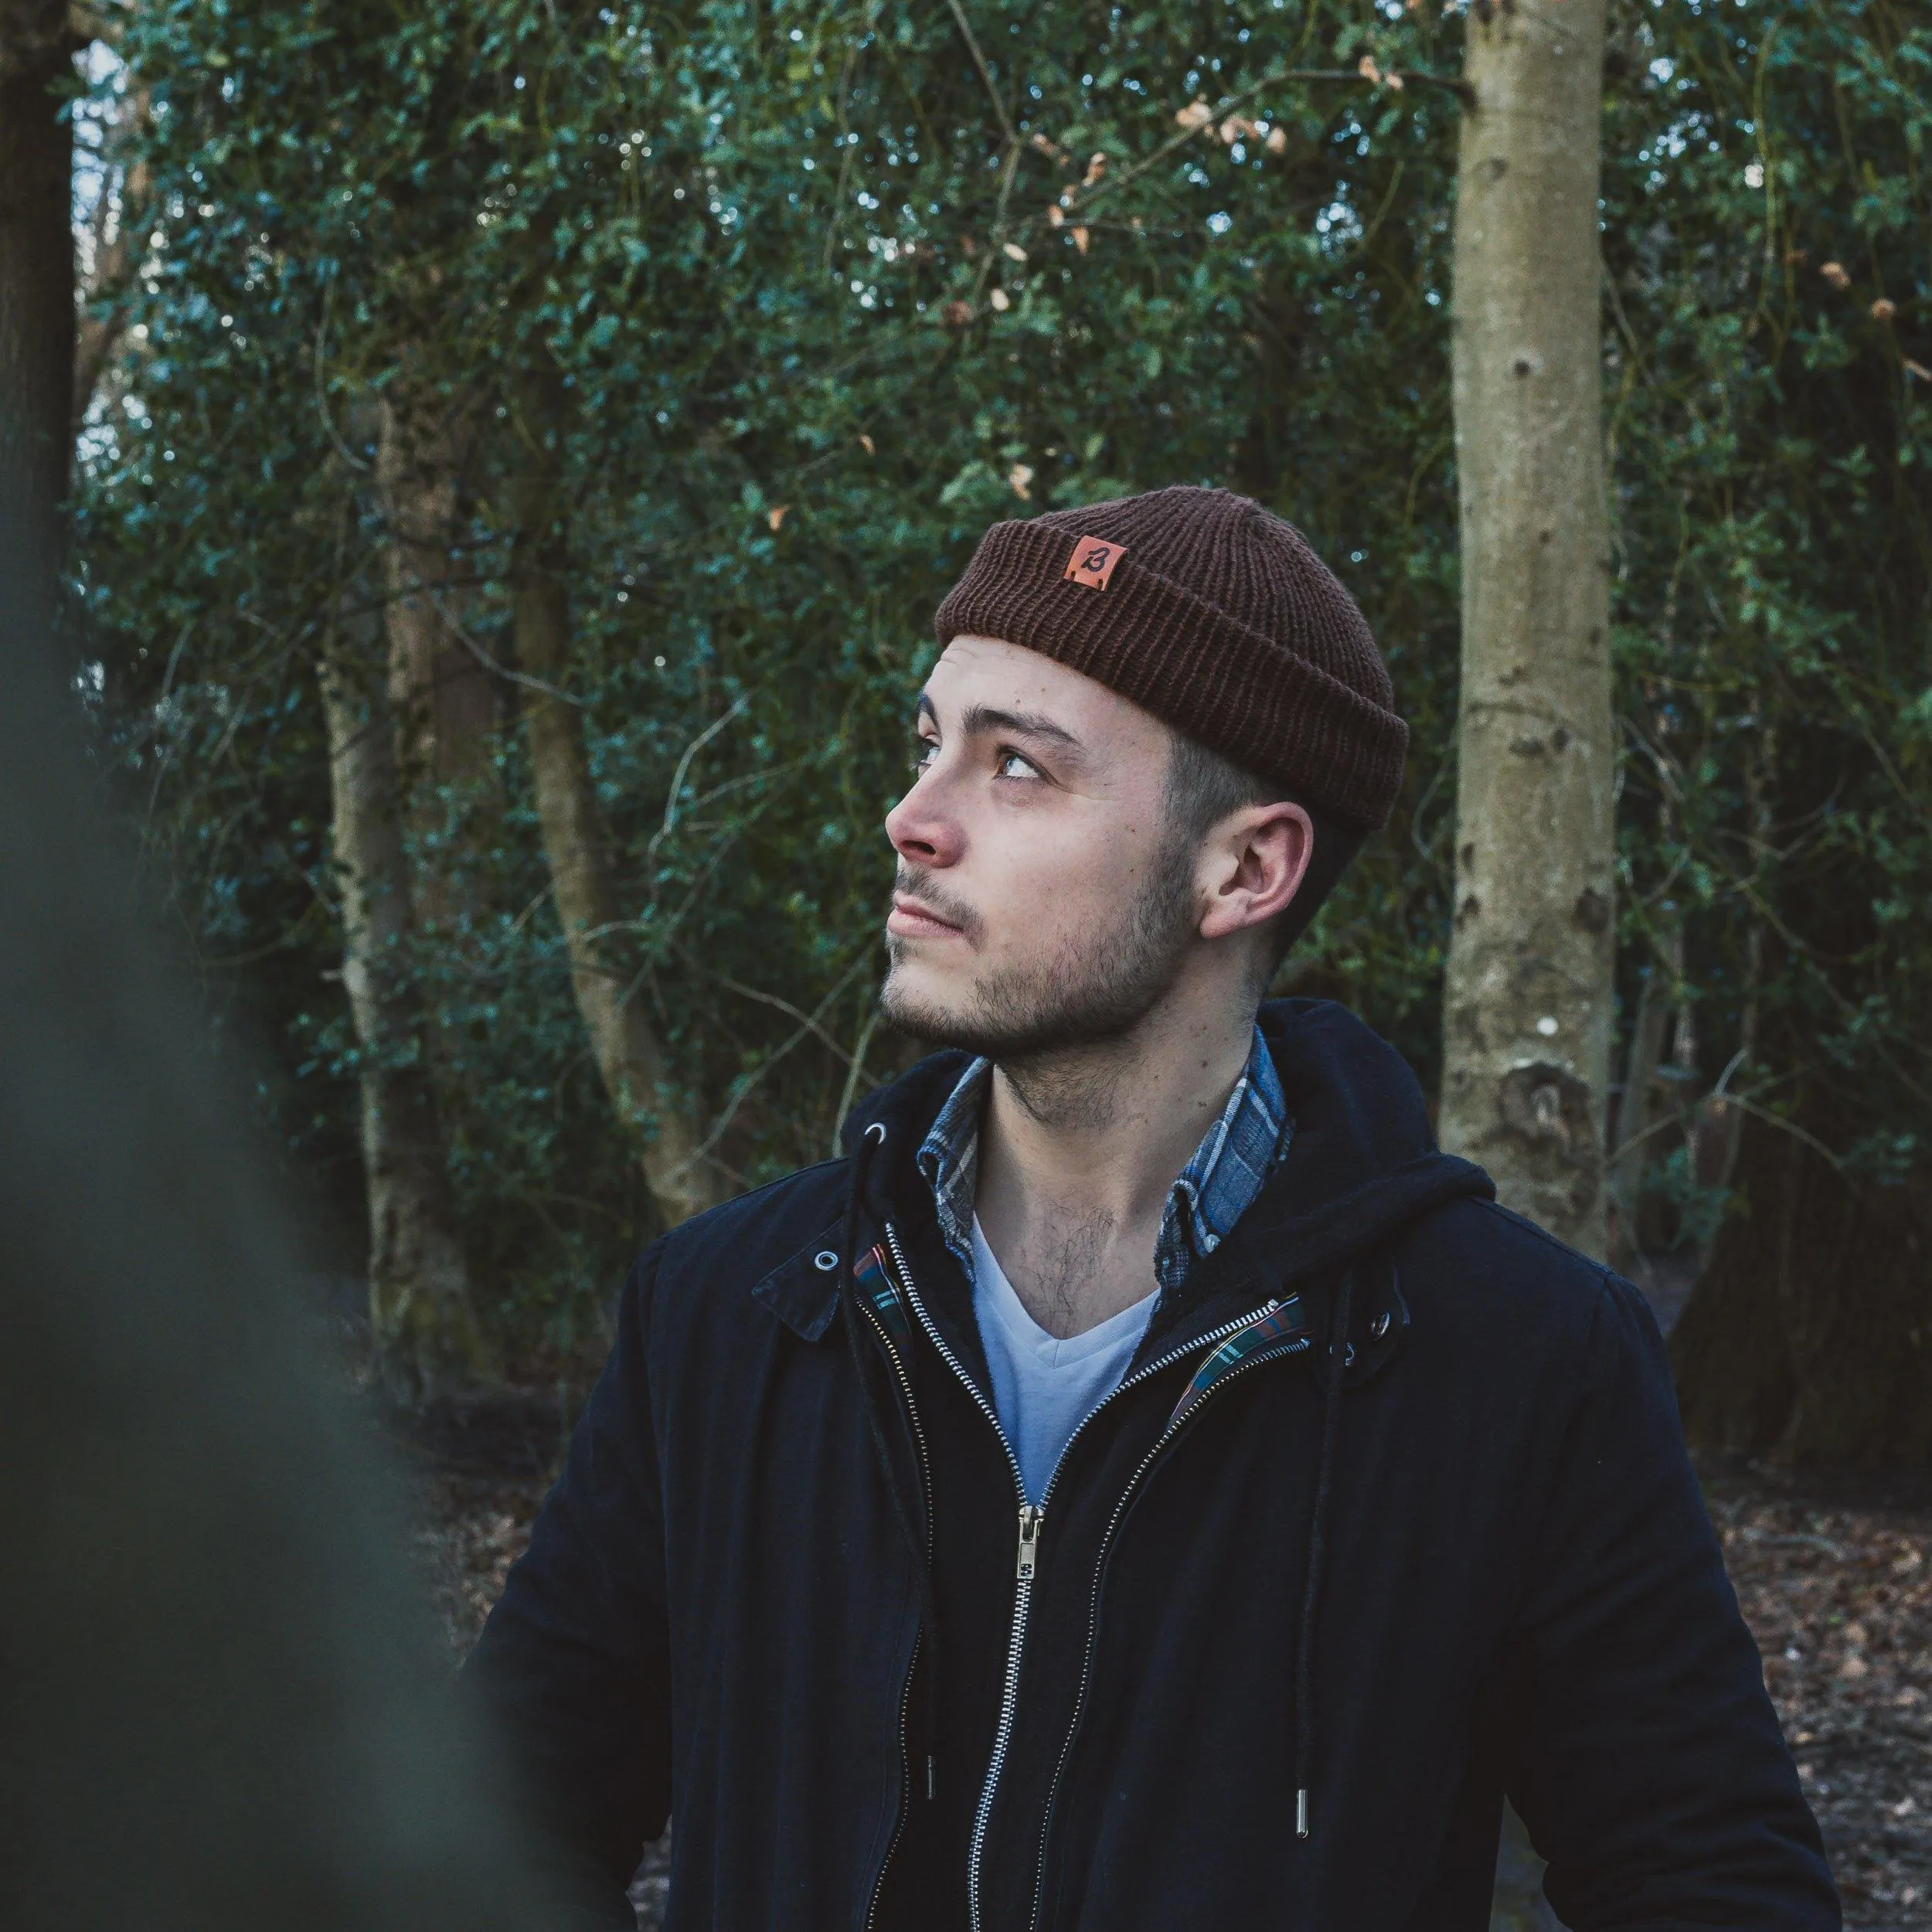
[1212, 1192]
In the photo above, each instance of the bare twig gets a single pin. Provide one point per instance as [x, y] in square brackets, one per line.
[1789, 1127]
[785, 1007]
[691, 751]
[1623, 324]
[1422, 805]
[845, 155]
[856, 1074]
[321, 387]
[522, 918]
[165, 762]
[1009, 169]
[985, 73]
[483, 657]
[764, 775]
[1913, 801]
[1718, 1093]
[750, 1080]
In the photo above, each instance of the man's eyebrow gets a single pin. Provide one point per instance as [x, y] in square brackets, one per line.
[980, 718]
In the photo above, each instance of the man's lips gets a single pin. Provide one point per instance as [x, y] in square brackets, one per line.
[909, 919]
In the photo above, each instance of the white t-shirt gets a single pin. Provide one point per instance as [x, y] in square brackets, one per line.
[1045, 1388]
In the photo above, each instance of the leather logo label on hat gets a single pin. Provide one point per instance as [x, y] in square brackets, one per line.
[1093, 561]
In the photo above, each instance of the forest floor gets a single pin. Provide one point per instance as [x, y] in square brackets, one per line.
[1834, 1577]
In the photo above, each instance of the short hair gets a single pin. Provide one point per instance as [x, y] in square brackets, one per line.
[1203, 787]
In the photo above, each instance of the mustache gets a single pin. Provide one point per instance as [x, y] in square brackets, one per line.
[935, 898]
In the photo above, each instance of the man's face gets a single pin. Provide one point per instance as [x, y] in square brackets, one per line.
[1041, 900]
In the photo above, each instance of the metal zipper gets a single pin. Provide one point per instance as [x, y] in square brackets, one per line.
[1030, 1520]
[1259, 1359]
[1029, 1528]
[905, 1689]
[905, 1789]
[1212, 1338]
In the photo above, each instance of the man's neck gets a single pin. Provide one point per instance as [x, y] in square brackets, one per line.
[1079, 1150]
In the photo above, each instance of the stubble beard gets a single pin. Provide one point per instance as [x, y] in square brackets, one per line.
[1038, 1018]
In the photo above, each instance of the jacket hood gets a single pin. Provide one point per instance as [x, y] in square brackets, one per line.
[1363, 1161]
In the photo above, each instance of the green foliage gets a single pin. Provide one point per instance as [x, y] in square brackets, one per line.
[1767, 256]
[818, 325]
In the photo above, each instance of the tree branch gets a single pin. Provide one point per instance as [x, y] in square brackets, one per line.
[985, 73]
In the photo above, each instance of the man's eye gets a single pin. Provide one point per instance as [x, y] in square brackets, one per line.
[1013, 764]
[924, 751]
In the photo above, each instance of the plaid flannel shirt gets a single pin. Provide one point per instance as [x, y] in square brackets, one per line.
[1235, 1156]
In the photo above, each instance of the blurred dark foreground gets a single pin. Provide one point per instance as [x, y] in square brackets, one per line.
[221, 1704]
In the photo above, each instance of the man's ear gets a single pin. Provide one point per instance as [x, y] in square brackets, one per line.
[1257, 858]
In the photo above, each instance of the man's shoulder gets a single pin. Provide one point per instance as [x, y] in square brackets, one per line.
[747, 1235]
[775, 1250]
[1496, 1271]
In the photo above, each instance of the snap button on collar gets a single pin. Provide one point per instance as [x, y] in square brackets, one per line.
[825, 1260]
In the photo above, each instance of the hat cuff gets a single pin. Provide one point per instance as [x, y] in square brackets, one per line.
[1207, 674]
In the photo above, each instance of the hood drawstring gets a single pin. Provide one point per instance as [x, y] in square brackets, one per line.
[1339, 1353]
[869, 1141]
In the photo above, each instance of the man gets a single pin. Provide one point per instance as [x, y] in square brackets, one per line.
[1144, 1484]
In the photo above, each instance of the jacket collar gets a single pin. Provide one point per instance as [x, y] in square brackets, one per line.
[802, 1291]
[1362, 1163]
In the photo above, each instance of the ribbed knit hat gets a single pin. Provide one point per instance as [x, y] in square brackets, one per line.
[1215, 615]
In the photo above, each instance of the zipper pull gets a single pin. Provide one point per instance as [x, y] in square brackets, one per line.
[1028, 1540]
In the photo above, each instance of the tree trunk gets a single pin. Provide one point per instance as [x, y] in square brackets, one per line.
[583, 873]
[420, 1310]
[36, 293]
[444, 700]
[1528, 1004]
[1809, 1337]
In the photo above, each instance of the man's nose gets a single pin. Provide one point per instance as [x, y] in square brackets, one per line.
[922, 830]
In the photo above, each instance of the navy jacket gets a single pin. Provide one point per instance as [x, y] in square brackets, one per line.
[1391, 1517]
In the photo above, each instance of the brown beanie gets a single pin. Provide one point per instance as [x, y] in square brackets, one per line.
[1215, 615]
